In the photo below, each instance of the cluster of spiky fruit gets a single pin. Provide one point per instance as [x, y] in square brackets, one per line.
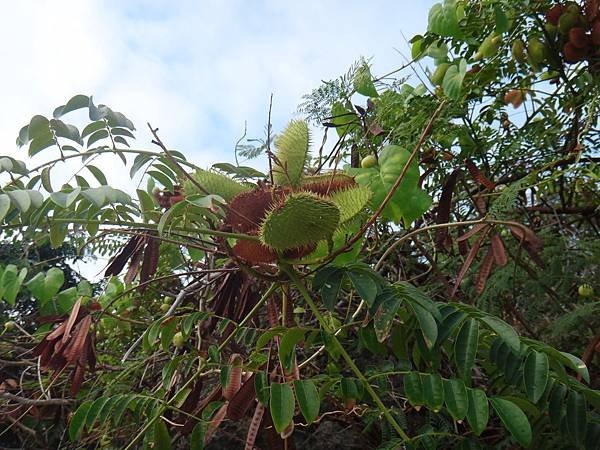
[292, 216]
[576, 30]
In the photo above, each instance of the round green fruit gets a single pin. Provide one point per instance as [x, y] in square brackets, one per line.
[567, 21]
[164, 307]
[9, 326]
[585, 290]
[368, 162]
[178, 340]
[536, 50]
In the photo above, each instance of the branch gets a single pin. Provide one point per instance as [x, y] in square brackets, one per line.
[32, 402]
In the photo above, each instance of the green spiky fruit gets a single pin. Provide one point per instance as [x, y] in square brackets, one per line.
[214, 183]
[351, 202]
[585, 290]
[438, 75]
[518, 50]
[299, 220]
[567, 21]
[292, 153]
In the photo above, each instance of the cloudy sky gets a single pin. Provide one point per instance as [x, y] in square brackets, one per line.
[196, 69]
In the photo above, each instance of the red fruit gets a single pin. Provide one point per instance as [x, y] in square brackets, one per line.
[554, 13]
[573, 54]
[596, 33]
[514, 97]
[578, 38]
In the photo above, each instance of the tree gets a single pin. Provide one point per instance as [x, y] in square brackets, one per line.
[439, 292]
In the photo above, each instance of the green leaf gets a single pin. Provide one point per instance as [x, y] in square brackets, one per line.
[4, 205]
[261, 386]
[383, 320]
[443, 19]
[465, 347]
[96, 136]
[21, 199]
[577, 365]
[427, 324]
[65, 199]
[287, 345]
[53, 281]
[501, 20]
[74, 103]
[478, 412]
[433, 388]
[46, 179]
[162, 179]
[456, 398]
[282, 405]
[344, 119]
[514, 419]
[363, 81]
[93, 127]
[97, 174]
[555, 406]
[40, 143]
[413, 388]
[197, 437]
[330, 288]
[453, 79]
[162, 440]
[58, 232]
[364, 284]
[308, 399]
[94, 411]
[505, 331]
[535, 375]
[576, 416]
[139, 162]
[78, 420]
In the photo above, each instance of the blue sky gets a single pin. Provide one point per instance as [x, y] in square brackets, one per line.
[196, 69]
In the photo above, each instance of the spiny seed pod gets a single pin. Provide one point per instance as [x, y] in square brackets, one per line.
[574, 54]
[292, 153]
[254, 252]
[554, 13]
[247, 209]
[327, 183]
[214, 183]
[439, 73]
[578, 38]
[301, 219]
[518, 50]
[351, 202]
[488, 47]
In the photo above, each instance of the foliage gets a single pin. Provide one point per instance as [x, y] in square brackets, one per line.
[435, 296]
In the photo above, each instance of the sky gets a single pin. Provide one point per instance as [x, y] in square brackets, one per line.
[198, 70]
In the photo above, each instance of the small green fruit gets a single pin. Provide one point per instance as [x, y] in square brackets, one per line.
[536, 50]
[178, 340]
[567, 21]
[9, 326]
[368, 162]
[551, 29]
[518, 50]
[164, 307]
[438, 75]
[585, 290]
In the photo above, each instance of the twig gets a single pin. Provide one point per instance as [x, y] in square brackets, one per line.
[34, 402]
